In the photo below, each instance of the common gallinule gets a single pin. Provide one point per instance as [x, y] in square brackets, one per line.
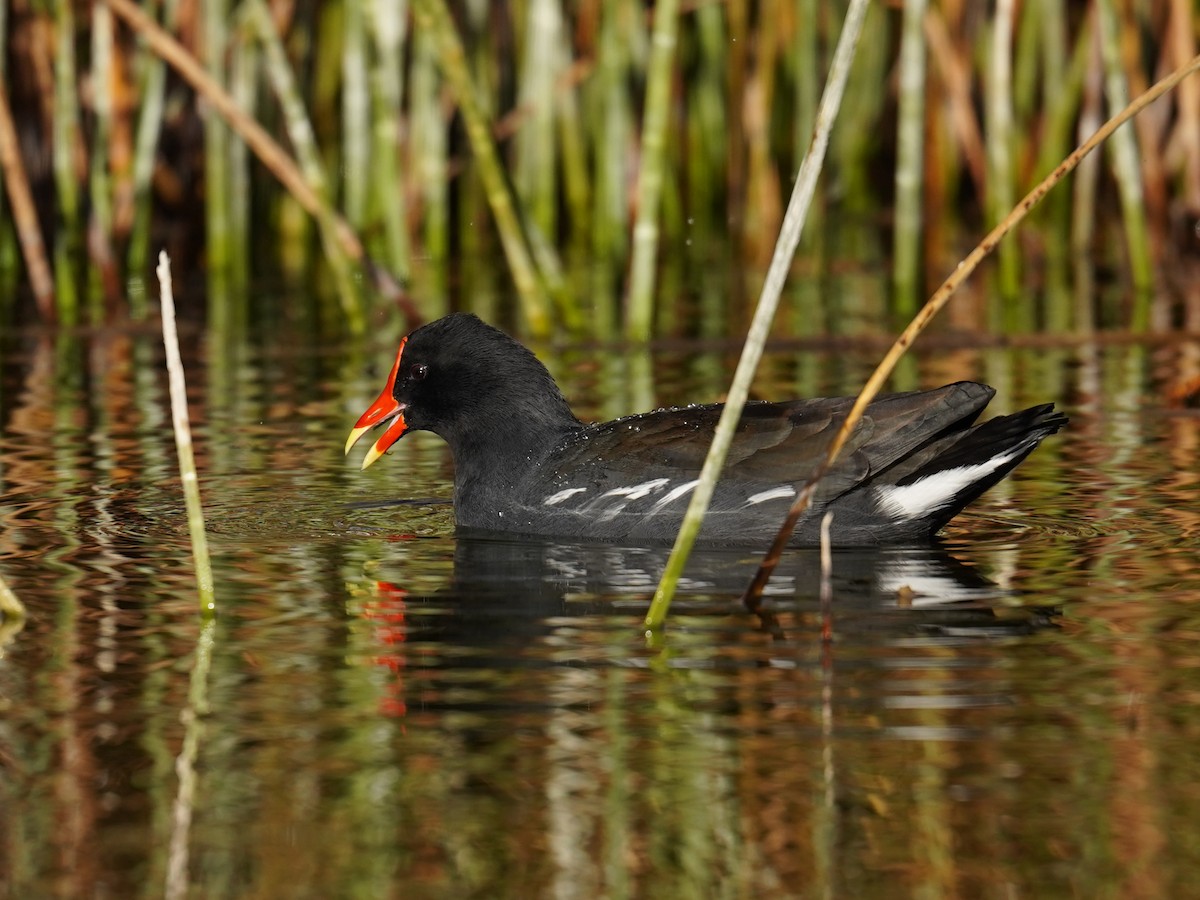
[523, 463]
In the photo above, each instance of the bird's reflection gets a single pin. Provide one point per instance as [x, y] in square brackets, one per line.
[505, 590]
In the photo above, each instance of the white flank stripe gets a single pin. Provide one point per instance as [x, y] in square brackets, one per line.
[637, 491]
[628, 495]
[779, 493]
[673, 495]
[561, 496]
[935, 491]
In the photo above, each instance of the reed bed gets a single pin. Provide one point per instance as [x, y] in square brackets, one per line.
[344, 148]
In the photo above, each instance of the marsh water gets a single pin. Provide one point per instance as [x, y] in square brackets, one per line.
[389, 711]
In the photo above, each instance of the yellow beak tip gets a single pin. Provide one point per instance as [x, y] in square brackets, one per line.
[373, 454]
[355, 434]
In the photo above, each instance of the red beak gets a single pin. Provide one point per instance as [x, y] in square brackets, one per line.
[385, 410]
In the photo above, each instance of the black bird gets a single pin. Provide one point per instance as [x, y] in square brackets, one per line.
[525, 464]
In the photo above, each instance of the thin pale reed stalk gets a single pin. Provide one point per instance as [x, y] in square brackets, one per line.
[434, 16]
[178, 856]
[183, 442]
[785, 248]
[24, 212]
[826, 592]
[934, 305]
[907, 243]
[639, 322]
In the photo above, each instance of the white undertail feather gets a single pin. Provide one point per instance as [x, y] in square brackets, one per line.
[934, 491]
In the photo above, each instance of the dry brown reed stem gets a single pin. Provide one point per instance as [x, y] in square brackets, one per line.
[266, 148]
[20, 198]
[753, 595]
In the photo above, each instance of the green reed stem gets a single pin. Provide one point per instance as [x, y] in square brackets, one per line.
[785, 248]
[1126, 169]
[536, 165]
[356, 116]
[434, 16]
[429, 144]
[907, 243]
[1062, 95]
[214, 26]
[183, 442]
[100, 183]
[388, 22]
[577, 192]
[934, 305]
[999, 112]
[149, 128]
[609, 119]
[1084, 185]
[243, 87]
[640, 309]
[66, 134]
[299, 129]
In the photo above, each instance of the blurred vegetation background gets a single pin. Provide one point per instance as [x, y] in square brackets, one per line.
[353, 164]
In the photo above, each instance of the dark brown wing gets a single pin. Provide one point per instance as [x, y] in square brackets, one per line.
[775, 443]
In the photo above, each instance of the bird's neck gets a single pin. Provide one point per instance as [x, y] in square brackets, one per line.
[491, 463]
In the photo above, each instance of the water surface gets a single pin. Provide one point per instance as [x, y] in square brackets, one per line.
[394, 712]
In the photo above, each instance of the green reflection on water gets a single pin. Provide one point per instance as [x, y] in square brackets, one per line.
[392, 716]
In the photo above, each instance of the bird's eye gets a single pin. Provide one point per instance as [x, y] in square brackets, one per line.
[418, 372]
